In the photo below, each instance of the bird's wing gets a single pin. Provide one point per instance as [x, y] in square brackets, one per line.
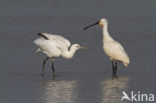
[115, 51]
[51, 48]
[118, 44]
[56, 38]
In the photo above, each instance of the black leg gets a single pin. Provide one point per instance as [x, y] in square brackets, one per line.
[116, 68]
[113, 69]
[52, 67]
[44, 62]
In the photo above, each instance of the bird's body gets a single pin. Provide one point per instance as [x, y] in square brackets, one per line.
[115, 51]
[55, 46]
[112, 48]
[48, 47]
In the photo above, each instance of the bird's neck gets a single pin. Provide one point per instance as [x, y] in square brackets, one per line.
[68, 54]
[106, 36]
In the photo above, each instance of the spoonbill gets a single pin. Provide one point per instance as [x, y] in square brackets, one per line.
[112, 48]
[55, 46]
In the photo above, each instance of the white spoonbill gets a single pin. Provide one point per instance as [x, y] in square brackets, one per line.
[112, 48]
[55, 46]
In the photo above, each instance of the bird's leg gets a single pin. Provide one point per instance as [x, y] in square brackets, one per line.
[44, 61]
[52, 67]
[115, 68]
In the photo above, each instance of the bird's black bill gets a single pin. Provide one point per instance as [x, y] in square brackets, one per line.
[91, 25]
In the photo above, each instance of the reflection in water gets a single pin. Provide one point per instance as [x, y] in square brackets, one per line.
[112, 89]
[58, 91]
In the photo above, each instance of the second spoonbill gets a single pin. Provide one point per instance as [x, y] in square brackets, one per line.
[112, 48]
[55, 46]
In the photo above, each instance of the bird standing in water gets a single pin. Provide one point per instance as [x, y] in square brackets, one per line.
[55, 46]
[112, 48]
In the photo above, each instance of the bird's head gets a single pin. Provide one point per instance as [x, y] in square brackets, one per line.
[73, 50]
[101, 22]
[77, 46]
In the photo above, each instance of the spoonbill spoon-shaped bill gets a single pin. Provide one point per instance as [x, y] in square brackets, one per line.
[91, 25]
[55, 46]
[112, 48]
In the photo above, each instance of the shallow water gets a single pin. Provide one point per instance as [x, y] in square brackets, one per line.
[87, 77]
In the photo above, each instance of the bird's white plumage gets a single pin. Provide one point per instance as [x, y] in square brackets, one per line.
[112, 48]
[116, 52]
[49, 47]
[57, 38]
[55, 46]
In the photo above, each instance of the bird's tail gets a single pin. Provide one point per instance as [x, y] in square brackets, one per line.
[37, 51]
[126, 61]
[125, 64]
